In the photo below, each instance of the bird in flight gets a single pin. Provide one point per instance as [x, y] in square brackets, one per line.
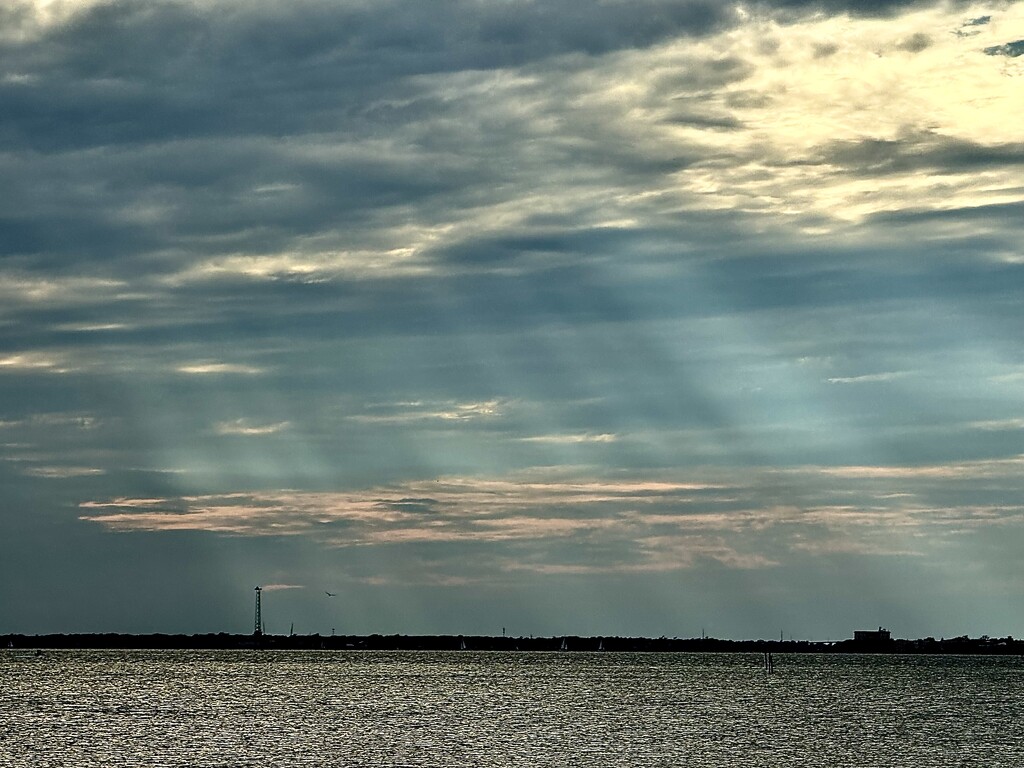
[331, 594]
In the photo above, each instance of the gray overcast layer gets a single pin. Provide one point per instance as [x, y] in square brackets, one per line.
[610, 318]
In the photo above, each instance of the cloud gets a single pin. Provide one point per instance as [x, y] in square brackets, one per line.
[625, 525]
[280, 587]
[869, 378]
[966, 29]
[62, 472]
[1011, 50]
[868, 8]
[920, 151]
[248, 428]
[18, 289]
[915, 43]
[293, 183]
[515, 290]
[75, 420]
[34, 361]
[417, 411]
[213, 368]
[309, 268]
[983, 468]
[999, 424]
[572, 439]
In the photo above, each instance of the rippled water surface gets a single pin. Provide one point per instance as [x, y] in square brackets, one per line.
[254, 708]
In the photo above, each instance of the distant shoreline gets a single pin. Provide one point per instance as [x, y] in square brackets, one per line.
[596, 644]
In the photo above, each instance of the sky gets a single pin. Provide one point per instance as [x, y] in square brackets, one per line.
[645, 317]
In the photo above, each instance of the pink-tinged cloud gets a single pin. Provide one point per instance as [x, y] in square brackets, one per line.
[961, 470]
[638, 525]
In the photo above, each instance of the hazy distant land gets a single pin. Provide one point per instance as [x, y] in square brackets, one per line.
[955, 645]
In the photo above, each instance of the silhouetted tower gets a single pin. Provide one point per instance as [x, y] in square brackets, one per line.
[258, 630]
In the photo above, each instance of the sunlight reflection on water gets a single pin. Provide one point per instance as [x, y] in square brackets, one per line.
[256, 708]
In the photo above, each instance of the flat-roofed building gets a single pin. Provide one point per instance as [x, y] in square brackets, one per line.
[871, 635]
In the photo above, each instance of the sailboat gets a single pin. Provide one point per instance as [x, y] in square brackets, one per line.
[565, 646]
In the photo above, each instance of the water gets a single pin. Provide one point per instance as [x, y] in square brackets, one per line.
[207, 708]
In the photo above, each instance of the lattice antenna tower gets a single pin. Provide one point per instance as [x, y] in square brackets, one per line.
[258, 628]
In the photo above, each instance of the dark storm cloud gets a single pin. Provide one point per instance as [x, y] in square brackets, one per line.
[136, 128]
[915, 43]
[126, 72]
[563, 241]
[131, 71]
[162, 130]
[918, 151]
[413, 506]
[824, 50]
[995, 214]
[200, 196]
[696, 76]
[1011, 50]
[142, 136]
[719, 122]
[853, 7]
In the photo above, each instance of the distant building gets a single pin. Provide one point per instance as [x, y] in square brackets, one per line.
[871, 635]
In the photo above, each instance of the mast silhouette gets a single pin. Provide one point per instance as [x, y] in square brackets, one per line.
[258, 626]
